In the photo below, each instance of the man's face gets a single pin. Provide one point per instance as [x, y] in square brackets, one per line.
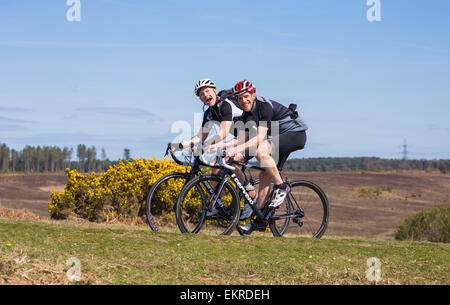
[208, 96]
[246, 101]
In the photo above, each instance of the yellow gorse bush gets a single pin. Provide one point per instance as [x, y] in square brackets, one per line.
[118, 193]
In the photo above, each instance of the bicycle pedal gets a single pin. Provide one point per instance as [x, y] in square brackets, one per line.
[297, 221]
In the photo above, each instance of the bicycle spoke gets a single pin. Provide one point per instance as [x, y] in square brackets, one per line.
[162, 198]
[313, 203]
[197, 211]
[282, 224]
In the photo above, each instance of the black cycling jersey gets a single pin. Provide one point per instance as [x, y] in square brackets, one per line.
[268, 111]
[226, 109]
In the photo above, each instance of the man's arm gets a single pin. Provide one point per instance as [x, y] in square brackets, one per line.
[222, 134]
[255, 141]
[266, 115]
[201, 135]
[226, 122]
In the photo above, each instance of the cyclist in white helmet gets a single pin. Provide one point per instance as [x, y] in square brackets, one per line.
[220, 110]
[224, 109]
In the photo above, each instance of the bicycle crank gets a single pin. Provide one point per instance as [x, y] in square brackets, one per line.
[299, 213]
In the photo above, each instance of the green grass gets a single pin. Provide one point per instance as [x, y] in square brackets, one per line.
[36, 252]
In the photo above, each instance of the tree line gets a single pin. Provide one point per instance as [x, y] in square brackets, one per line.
[55, 159]
[364, 164]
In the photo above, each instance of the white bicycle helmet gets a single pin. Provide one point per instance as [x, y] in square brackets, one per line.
[206, 82]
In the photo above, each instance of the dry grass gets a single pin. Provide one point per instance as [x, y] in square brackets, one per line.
[19, 269]
[22, 214]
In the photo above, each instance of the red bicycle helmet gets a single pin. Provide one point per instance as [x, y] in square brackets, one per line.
[243, 87]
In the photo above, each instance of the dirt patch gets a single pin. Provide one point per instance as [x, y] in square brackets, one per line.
[373, 204]
[362, 204]
[58, 188]
[29, 191]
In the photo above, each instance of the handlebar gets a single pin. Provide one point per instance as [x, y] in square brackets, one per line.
[204, 162]
[169, 150]
[215, 165]
[221, 154]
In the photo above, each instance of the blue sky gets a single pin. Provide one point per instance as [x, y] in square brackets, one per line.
[125, 73]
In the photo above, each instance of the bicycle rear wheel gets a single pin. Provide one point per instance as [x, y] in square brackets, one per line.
[309, 204]
[162, 198]
[191, 208]
[279, 227]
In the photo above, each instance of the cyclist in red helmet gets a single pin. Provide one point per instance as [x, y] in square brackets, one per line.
[263, 114]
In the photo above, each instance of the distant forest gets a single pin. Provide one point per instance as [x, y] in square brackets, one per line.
[364, 164]
[43, 159]
[54, 159]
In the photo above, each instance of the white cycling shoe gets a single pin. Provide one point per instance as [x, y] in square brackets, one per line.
[280, 195]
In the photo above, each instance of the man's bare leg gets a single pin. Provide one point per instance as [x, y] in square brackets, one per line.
[271, 172]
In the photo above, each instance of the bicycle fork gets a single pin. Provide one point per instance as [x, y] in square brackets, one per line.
[215, 195]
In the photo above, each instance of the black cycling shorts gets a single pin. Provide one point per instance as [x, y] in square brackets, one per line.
[285, 143]
[282, 145]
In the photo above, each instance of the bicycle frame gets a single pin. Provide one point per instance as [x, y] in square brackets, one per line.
[265, 216]
[224, 176]
[262, 216]
[195, 169]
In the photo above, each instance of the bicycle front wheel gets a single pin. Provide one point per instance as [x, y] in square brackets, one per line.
[161, 199]
[194, 212]
[308, 211]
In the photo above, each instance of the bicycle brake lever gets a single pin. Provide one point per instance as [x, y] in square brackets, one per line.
[167, 150]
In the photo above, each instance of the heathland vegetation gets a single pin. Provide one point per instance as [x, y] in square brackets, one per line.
[118, 193]
[432, 225]
[371, 203]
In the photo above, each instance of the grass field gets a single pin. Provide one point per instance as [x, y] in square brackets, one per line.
[36, 252]
[362, 204]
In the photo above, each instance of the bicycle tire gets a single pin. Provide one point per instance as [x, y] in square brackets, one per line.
[186, 212]
[280, 226]
[317, 208]
[154, 190]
